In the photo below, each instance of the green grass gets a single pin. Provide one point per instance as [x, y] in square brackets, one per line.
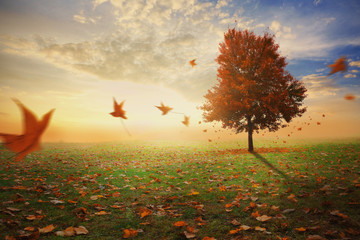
[184, 182]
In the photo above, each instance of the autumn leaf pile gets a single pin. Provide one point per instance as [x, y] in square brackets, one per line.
[192, 190]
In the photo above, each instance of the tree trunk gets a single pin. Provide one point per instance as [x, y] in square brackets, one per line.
[250, 132]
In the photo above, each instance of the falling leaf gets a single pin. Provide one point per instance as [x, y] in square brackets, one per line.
[339, 65]
[129, 233]
[180, 224]
[29, 141]
[164, 109]
[300, 229]
[349, 97]
[118, 111]
[263, 218]
[186, 121]
[192, 62]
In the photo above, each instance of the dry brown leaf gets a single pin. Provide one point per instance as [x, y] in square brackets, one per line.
[263, 218]
[47, 229]
[68, 232]
[189, 235]
[81, 230]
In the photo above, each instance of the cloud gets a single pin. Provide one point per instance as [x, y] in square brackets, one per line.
[282, 31]
[316, 2]
[82, 18]
[355, 64]
[319, 85]
[350, 76]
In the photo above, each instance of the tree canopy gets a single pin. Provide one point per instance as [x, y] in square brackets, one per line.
[254, 91]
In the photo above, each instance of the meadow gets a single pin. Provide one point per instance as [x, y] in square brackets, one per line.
[182, 190]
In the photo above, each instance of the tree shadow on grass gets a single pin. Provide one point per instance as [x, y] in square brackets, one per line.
[261, 158]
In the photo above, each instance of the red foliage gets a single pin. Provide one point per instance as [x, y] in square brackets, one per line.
[254, 91]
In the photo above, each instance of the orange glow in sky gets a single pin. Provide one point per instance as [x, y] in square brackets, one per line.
[77, 58]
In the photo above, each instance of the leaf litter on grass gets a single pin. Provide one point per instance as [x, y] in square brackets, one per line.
[145, 190]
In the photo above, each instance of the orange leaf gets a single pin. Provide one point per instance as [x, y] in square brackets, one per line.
[186, 121]
[192, 62]
[129, 233]
[164, 109]
[255, 214]
[47, 229]
[208, 238]
[349, 97]
[339, 65]
[29, 141]
[180, 224]
[102, 213]
[300, 229]
[118, 111]
[144, 212]
[263, 218]
[68, 232]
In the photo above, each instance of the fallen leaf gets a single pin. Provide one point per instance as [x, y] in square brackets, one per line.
[81, 230]
[192, 62]
[143, 211]
[300, 229]
[189, 235]
[263, 218]
[260, 229]
[47, 229]
[68, 232]
[315, 237]
[180, 224]
[129, 233]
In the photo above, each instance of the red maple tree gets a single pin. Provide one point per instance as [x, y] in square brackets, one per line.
[254, 91]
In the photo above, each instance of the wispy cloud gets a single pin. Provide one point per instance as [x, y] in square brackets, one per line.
[319, 86]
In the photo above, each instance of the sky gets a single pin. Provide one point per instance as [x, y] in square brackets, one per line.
[76, 56]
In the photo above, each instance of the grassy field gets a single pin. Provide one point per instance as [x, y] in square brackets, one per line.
[198, 190]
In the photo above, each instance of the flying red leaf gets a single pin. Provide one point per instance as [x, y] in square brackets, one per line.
[192, 62]
[339, 65]
[186, 121]
[118, 111]
[349, 97]
[29, 141]
[164, 109]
